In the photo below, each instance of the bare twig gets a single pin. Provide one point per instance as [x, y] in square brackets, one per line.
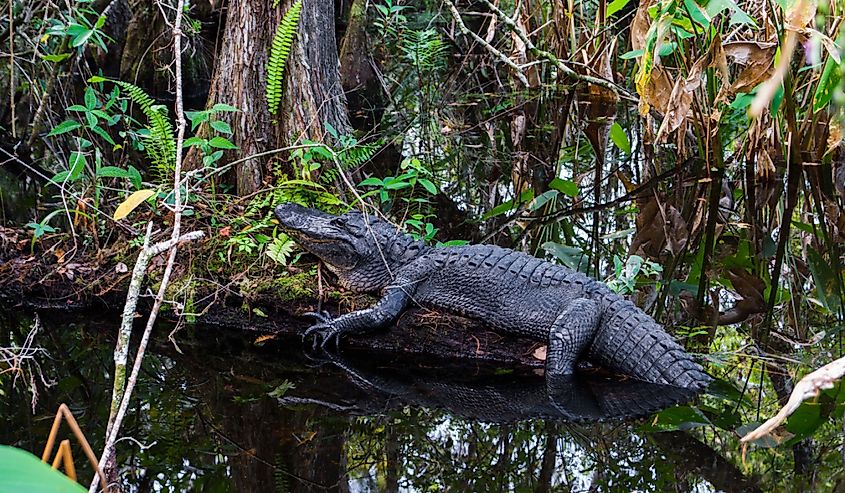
[12, 67]
[492, 49]
[148, 252]
[557, 62]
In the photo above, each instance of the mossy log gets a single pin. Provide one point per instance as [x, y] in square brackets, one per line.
[259, 309]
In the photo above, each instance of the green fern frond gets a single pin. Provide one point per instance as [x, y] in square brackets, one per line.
[425, 49]
[282, 42]
[358, 154]
[160, 145]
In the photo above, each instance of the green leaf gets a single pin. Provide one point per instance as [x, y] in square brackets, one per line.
[397, 185]
[566, 187]
[568, 255]
[631, 54]
[82, 38]
[544, 197]
[60, 177]
[134, 176]
[826, 281]
[828, 82]
[76, 165]
[90, 98]
[371, 182]
[64, 127]
[618, 136]
[21, 471]
[677, 418]
[196, 118]
[95, 79]
[805, 420]
[330, 129]
[715, 7]
[615, 6]
[56, 58]
[223, 107]
[221, 143]
[102, 133]
[192, 141]
[112, 172]
[221, 127]
[698, 14]
[428, 185]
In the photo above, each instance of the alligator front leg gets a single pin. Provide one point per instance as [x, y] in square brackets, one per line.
[383, 314]
[571, 333]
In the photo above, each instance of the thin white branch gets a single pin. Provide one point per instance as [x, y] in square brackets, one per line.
[148, 252]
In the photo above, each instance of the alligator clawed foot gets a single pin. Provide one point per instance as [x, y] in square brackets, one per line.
[323, 331]
[323, 316]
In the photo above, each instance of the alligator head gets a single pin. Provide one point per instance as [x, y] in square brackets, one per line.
[363, 250]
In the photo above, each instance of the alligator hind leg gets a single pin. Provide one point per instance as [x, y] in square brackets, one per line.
[571, 333]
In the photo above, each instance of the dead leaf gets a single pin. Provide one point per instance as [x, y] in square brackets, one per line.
[658, 90]
[540, 353]
[121, 268]
[834, 137]
[749, 52]
[757, 60]
[131, 203]
[800, 13]
[641, 24]
[659, 227]
[264, 338]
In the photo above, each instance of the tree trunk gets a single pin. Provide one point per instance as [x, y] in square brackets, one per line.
[312, 96]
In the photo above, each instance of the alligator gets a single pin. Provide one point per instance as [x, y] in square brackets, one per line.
[578, 317]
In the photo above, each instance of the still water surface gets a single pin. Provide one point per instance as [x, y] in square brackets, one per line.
[221, 413]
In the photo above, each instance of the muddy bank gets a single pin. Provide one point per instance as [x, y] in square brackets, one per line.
[265, 305]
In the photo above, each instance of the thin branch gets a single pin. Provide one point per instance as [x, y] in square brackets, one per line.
[557, 62]
[148, 252]
[492, 49]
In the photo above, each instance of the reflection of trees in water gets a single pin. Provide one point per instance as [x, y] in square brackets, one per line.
[216, 429]
[437, 452]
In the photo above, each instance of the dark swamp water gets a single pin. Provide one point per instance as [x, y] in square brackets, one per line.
[225, 414]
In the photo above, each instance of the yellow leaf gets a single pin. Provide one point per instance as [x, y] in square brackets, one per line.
[131, 203]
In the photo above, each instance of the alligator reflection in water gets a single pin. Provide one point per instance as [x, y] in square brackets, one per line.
[582, 397]
[220, 416]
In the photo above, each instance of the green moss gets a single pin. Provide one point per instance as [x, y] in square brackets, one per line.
[297, 286]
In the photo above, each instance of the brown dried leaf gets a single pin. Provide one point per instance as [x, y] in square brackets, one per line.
[640, 25]
[540, 353]
[659, 89]
[675, 229]
[800, 13]
[678, 105]
[750, 52]
[834, 137]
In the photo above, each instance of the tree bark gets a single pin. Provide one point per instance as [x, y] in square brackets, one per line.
[313, 94]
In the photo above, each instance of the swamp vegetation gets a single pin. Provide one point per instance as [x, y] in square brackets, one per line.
[687, 152]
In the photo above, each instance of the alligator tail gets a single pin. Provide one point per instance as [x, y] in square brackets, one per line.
[631, 342]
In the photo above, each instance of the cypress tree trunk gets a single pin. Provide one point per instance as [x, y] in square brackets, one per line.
[312, 93]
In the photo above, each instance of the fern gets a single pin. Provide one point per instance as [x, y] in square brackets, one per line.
[425, 49]
[282, 42]
[280, 475]
[358, 154]
[160, 145]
